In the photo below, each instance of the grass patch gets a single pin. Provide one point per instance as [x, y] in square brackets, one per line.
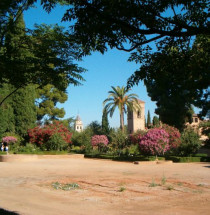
[153, 184]
[200, 185]
[163, 180]
[179, 183]
[65, 187]
[170, 187]
[122, 189]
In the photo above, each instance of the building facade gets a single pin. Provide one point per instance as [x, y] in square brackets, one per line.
[136, 119]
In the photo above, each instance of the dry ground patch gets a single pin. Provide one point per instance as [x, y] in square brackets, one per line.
[105, 187]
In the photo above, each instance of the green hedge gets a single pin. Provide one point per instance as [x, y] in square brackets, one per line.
[149, 158]
[188, 159]
[123, 158]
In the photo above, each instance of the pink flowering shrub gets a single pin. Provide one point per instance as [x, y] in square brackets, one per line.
[155, 142]
[99, 139]
[174, 136]
[9, 139]
[136, 137]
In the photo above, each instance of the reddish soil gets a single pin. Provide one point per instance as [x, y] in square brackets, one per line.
[105, 187]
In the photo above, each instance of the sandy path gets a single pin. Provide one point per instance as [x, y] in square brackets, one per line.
[25, 187]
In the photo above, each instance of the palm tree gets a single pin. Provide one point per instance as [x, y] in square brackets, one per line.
[118, 98]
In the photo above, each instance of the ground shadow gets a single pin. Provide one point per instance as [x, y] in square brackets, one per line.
[6, 212]
[207, 166]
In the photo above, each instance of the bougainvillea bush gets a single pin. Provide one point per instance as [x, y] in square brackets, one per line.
[174, 137]
[99, 141]
[44, 136]
[9, 139]
[155, 142]
[136, 137]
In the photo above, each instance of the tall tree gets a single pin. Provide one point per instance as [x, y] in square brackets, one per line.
[176, 79]
[24, 109]
[118, 97]
[47, 99]
[155, 121]
[148, 120]
[105, 122]
[7, 119]
[98, 23]
[18, 113]
[95, 128]
[45, 55]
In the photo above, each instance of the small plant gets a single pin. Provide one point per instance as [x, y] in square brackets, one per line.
[65, 187]
[179, 183]
[153, 184]
[122, 189]
[200, 185]
[170, 187]
[163, 180]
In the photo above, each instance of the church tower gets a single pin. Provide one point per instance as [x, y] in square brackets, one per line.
[78, 126]
[136, 119]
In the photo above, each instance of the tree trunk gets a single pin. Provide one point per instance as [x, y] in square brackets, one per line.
[122, 120]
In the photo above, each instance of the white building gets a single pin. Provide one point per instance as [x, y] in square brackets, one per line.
[78, 126]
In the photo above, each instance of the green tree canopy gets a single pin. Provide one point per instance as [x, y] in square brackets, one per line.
[155, 121]
[118, 97]
[47, 98]
[95, 128]
[127, 25]
[45, 55]
[148, 120]
[18, 113]
[176, 79]
[105, 123]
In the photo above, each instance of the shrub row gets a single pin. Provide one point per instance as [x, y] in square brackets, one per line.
[148, 158]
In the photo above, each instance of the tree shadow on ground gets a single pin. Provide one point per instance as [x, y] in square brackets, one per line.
[6, 212]
[207, 166]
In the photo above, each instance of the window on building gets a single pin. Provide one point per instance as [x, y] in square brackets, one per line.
[196, 119]
[77, 127]
[138, 114]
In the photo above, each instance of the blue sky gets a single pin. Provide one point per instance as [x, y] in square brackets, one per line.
[104, 71]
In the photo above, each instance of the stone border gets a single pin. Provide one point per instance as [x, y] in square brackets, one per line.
[31, 157]
[16, 157]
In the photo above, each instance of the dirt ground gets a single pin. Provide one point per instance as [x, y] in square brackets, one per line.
[105, 187]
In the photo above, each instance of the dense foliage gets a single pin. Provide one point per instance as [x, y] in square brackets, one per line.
[155, 121]
[177, 78]
[174, 137]
[18, 113]
[47, 98]
[23, 58]
[48, 134]
[105, 123]
[190, 142]
[205, 130]
[148, 120]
